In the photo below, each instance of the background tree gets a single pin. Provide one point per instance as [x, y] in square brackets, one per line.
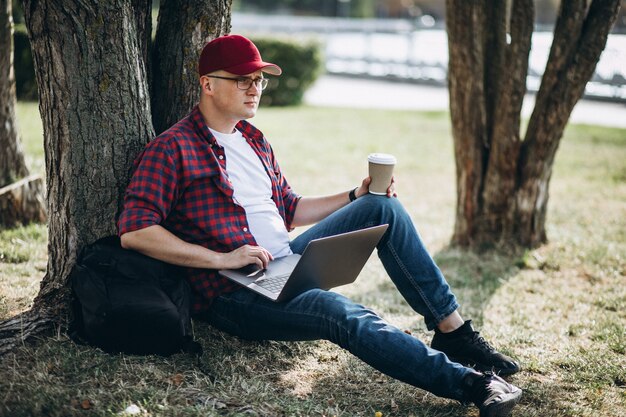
[502, 180]
[92, 61]
[21, 197]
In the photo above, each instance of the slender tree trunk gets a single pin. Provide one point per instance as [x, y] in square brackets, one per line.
[20, 201]
[181, 33]
[12, 165]
[580, 36]
[95, 107]
[502, 180]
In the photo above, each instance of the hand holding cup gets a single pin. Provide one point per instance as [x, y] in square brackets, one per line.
[381, 167]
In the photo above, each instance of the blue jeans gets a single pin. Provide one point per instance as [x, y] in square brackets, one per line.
[318, 314]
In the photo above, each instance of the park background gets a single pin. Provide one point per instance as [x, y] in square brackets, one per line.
[559, 308]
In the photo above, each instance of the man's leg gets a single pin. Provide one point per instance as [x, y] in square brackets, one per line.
[319, 314]
[416, 276]
[401, 251]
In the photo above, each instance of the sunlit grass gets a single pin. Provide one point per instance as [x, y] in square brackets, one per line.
[31, 134]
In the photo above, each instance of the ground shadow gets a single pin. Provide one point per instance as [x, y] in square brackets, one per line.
[474, 276]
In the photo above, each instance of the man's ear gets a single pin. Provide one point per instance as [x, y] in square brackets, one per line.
[205, 84]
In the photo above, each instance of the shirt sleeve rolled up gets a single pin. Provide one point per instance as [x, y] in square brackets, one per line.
[152, 190]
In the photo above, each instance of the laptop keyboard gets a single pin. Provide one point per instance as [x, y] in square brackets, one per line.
[273, 284]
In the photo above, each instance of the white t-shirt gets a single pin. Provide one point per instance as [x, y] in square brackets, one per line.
[253, 191]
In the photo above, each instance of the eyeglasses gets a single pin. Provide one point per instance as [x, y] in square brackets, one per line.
[244, 83]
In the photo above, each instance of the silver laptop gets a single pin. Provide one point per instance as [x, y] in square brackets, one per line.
[326, 263]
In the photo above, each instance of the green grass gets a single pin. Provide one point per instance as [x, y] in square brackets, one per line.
[23, 256]
[31, 132]
[559, 309]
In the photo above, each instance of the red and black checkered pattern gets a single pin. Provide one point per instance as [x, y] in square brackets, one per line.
[180, 182]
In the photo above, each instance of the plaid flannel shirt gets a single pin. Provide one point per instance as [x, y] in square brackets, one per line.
[180, 182]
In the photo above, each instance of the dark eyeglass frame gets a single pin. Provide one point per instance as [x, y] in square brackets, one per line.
[244, 83]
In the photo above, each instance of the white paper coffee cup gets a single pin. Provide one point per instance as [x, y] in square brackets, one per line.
[380, 170]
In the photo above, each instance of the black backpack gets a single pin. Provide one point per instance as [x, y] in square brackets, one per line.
[128, 302]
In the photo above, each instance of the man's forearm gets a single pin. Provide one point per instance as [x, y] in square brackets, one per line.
[313, 209]
[159, 243]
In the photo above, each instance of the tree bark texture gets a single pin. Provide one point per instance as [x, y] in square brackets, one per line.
[183, 29]
[12, 164]
[95, 107]
[502, 180]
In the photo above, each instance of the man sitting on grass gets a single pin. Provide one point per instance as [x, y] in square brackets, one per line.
[208, 194]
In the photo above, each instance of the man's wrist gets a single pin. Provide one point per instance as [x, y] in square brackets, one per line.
[352, 194]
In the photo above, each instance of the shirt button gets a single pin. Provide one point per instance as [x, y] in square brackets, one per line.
[221, 157]
[245, 229]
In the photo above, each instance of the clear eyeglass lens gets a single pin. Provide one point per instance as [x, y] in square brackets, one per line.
[246, 83]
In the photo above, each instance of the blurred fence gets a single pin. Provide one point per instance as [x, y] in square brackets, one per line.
[418, 51]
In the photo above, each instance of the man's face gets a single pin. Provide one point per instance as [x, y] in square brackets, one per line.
[233, 102]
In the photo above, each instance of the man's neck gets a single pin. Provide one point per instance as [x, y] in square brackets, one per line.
[216, 123]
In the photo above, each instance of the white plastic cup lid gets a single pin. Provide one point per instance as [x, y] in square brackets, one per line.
[382, 158]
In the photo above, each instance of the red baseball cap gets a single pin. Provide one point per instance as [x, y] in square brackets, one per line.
[235, 54]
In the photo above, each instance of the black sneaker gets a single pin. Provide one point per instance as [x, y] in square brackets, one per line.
[493, 396]
[466, 346]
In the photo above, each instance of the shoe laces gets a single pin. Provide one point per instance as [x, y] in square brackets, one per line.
[477, 339]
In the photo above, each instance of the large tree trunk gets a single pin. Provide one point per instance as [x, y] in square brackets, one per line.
[181, 34]
[91, 66]
[502, 180]
[95, 107]
[19, 202]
